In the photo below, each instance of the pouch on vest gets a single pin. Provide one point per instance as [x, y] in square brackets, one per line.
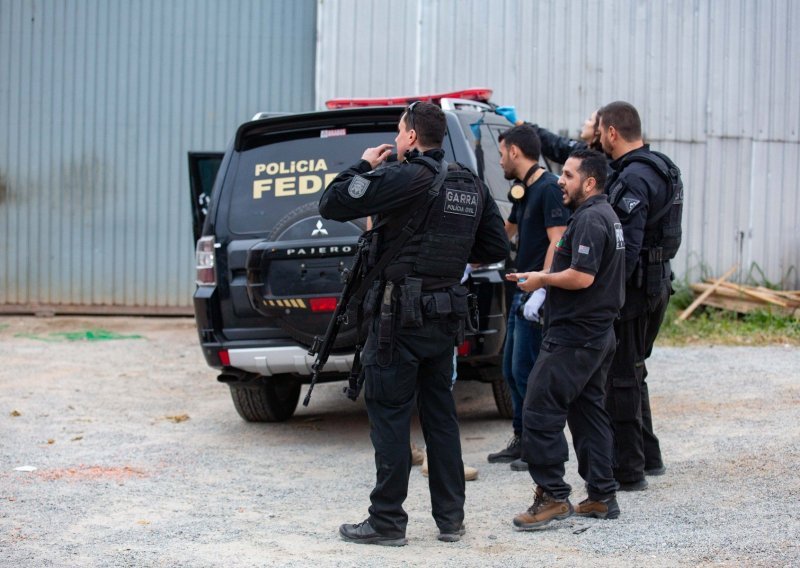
[436, 305]
[386, 326]
[411, 302]
[458, 302]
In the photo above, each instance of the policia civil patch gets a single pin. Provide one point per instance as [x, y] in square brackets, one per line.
[460, 202]
[358, 187]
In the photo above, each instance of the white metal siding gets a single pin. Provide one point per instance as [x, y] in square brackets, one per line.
[717, 84]
[99, 104]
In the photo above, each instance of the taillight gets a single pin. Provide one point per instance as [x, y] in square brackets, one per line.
[224, 357]
[465, 349]
[204, 258]
[322, 304]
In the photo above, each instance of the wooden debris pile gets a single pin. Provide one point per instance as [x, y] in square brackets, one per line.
[742, 298]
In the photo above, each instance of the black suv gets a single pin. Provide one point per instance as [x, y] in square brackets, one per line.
[269, 267]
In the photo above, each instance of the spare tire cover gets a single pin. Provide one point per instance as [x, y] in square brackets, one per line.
[305, 224]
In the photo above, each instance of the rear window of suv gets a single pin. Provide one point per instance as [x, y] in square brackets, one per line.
[271, 180]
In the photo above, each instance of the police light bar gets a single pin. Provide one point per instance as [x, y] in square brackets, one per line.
[475, 94]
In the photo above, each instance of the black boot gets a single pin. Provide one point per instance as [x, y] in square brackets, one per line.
[363, 533]
[511, 452]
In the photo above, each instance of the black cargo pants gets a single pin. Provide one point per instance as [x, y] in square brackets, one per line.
[636, 446]
[421, 365]
[567, 386]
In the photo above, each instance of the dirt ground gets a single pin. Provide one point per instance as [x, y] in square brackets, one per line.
[141, 460]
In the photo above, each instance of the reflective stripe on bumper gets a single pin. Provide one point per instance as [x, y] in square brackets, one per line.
[269, 361]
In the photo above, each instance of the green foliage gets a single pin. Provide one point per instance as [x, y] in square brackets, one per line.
[711, 325]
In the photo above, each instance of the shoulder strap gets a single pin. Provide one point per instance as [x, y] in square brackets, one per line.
[666, 169]
[410, 227]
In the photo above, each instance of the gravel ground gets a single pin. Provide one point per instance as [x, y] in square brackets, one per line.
[141, 460]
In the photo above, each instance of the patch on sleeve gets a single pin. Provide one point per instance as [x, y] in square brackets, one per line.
[556, 213]
[620, 237]
[630, 204]
[358, 187]
[583, 249]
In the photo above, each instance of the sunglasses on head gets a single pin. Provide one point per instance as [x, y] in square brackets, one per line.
[410, 115]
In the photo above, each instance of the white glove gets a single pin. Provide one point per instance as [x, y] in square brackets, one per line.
[533, 305]
[467, 271]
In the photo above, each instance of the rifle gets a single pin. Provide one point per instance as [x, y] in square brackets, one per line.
[321, 347]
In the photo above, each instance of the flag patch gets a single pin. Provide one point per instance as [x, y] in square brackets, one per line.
[583, 249]
[630, 204]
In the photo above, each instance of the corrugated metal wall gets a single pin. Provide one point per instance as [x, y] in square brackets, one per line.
[716, 82]
[99, 104]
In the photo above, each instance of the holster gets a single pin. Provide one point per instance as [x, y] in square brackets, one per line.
[411, 302]
[386, 326]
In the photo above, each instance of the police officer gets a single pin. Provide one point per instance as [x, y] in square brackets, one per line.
[585, 294]
[416, 311]
[558, 148]
[645, 190]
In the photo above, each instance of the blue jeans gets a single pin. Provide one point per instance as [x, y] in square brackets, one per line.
[523, 339]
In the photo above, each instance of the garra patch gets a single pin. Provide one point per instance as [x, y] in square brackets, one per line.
[460, 202]
[620, 237]
[630, 204]
[556, 213]
[358, 187]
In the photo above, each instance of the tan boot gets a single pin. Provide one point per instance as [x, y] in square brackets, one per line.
[605, 509]
[543, 510]
[417, 455]
[470, 473]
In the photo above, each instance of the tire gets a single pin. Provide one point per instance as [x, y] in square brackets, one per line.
[272, 399]
[500, 390]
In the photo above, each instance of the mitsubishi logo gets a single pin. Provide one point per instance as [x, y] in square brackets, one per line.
[320, 230]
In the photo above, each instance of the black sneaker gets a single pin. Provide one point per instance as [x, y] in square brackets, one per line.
[363, 533]
[512, 451]
[452, 536]
[519, 465]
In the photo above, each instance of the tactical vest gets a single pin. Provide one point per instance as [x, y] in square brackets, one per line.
[662, 232]
[438, 252]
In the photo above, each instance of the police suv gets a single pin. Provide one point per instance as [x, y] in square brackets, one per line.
[269, 268]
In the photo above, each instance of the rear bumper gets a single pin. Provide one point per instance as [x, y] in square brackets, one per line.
[268, 361]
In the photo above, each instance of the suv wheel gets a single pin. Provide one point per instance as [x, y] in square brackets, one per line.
[500, 389]
[272, 399]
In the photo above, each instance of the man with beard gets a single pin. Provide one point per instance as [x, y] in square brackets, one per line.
[585, 291]
[538, 219]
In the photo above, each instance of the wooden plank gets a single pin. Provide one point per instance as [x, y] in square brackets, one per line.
[769, 298]
[699, 300]
[790, 295]
[732, 300]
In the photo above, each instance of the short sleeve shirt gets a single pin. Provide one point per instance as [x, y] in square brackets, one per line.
[540, 208]
[593, 243]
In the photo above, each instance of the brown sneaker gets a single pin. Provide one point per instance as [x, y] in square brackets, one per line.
[543, 510]
[605, 509]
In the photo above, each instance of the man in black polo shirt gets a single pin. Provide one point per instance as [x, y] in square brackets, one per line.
[585, 291]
